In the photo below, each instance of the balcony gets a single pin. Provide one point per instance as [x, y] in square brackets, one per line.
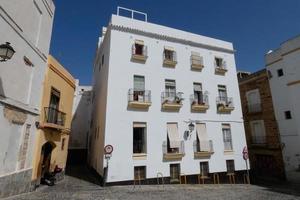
[206, 151]
[196, 62]
[254, 108]
[224, 104]
[221, 69]
[139, 99]
[139, 52]
[171, 100]
[199, 103]
[173, 154]
[54, 118]
[169, 58]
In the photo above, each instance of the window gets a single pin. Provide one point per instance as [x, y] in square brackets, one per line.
[102, 60]
[253, 99]
[280, 72]
[169, 54]
[222, 92]
[52, 115]
[198, 95]
[219, 62]
[170, 88]
[196, 59]
[288, 114]
[258, 132]
[230, 166]
[139, 138]
[63, 144]
[227, 137]
[138, 88]
[139, 172]
[204, 169]
[174, 172]
[24, 147]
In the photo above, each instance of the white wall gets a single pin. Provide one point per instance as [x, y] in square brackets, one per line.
[27, 25]
[287, 98]
[81, 117]
[119, 119]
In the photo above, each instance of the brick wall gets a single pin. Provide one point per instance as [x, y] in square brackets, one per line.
[265, 159]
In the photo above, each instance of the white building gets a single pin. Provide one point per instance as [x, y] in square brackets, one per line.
[150, 82]
[284, 75]
[27, 25]
[80, 126]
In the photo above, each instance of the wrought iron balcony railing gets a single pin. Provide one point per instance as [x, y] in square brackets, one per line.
[179, 150]
[225, 102]
[203, 146]
[171, 97]
[199, 99]
[142, 96]
[54, 116]
[143, 51]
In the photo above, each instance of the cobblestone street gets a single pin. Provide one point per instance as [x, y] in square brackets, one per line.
[84, 188]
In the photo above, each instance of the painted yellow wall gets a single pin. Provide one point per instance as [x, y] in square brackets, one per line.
[60, 79]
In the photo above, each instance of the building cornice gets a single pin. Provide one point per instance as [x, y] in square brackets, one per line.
[169, 38]
[62, 75]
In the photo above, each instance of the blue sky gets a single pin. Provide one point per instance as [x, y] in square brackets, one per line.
[254, 26]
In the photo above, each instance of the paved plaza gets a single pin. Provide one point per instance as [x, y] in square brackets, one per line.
[85, 188]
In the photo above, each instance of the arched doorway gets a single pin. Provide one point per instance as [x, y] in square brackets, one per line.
[45, 160]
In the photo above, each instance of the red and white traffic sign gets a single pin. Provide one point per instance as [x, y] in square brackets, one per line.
[108, 149]
[245, 153]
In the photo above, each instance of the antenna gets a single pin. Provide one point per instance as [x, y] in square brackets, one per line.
[132, 12]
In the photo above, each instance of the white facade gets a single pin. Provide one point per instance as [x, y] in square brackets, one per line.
[284, 71]
[81, 117]
[113, 119]
[27, 25]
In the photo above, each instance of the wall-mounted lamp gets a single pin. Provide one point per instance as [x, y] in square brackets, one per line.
[6, 52]
[191, 127]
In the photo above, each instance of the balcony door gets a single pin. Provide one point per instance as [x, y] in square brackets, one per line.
[198, 95]
[139, 88]
[174, 173]
[170, 88]
[53, 106]
[222, 92]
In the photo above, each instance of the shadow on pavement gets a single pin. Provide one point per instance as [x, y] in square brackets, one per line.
[84, 173]
[282, 187]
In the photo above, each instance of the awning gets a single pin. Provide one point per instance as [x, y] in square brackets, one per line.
[203, 137]
[173, 135]
[140, 42]
[195, 53]
[169, 48]
[139, 125]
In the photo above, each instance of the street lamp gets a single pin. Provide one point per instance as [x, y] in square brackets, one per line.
[6, 52]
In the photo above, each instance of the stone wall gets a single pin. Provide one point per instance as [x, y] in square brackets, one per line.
[16, 183]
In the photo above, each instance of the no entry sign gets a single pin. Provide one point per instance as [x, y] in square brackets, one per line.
[108, 149]
[245, 153]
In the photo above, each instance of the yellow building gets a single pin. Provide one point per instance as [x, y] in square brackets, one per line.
[55, 121]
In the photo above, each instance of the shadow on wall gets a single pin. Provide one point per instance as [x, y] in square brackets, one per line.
[79, 121]
[1, 89]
